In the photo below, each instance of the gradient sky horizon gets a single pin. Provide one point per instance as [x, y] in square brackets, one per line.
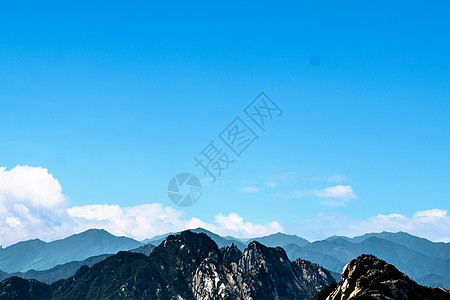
[102, 103]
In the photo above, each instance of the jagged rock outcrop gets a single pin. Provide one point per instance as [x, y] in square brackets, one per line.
[368, 277]
[259, 272]
[312, 277]
[191, 266]
[230, 254]
[270, 274]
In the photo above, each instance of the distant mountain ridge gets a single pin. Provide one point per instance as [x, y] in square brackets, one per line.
[39, 255]
[418, 244]
[69, 269]
[58, 272]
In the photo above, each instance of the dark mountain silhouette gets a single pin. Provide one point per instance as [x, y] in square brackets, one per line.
[60, 271]
[15, 288]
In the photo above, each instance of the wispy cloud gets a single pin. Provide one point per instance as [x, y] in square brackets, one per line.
[289, 177]
[285, 176]
[281, 178]
[431, 214]
[331, 178]
[272, 184]
[334, 195]
[338, 191]
[249, 189]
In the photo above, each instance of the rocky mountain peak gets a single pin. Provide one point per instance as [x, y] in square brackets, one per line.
[368, 277]
[196, 245]
[189, 238]
[256, 255]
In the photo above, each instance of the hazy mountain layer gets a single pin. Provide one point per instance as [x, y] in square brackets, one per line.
[334, 253]
[39, 255]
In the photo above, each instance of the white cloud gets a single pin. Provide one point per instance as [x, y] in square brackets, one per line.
[34, 186]
[272, 184]
[233, 224]
[433, 224]
[13, 221]
[139, 222]
[148, 220]
[249, 189]
[32, 206]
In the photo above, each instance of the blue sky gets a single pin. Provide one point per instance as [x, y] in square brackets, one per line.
[114, 98]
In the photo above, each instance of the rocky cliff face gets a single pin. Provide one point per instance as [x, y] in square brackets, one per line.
[258, 273]
[270, 274]
[191, 266]
[311, 276]
[368, 277]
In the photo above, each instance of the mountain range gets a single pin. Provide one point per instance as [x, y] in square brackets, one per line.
[421, 245]
[191, 266]
[334, 254]
[424, 261]
[184, 266]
